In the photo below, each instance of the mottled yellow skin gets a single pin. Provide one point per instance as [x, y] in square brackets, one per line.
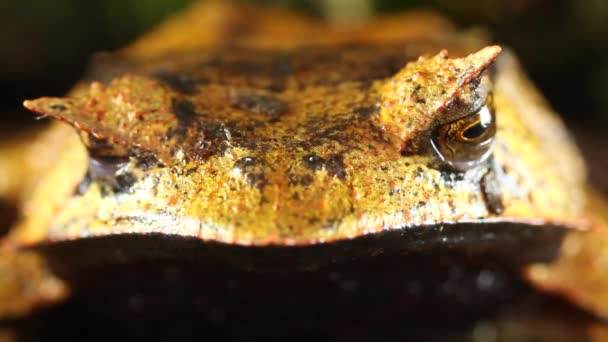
[265, 133]
[360, 188]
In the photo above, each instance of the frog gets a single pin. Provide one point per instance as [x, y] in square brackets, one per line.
[271, 141]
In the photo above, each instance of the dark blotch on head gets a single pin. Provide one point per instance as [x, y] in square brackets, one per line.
[219, 131]
[449, 176]
[256, 180]
[335, 166]
[184, 112]
[252, 171]
[314, 162]
[367, 111]
[261, 104]
[146, 160]
[124, 182]
[307, 180]
[413, 147]
[180, 83]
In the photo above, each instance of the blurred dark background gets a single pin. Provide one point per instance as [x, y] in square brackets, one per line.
[45, 44]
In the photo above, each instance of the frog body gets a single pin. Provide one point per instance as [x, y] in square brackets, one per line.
[303, 148]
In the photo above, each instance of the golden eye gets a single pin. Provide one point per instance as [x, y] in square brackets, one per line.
[466, 142]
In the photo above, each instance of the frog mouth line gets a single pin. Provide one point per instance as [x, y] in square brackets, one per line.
[496, 239]
[169, 227]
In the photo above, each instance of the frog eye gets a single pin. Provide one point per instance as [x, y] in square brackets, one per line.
[467, 142]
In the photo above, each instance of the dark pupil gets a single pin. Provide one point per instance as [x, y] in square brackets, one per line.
[466, 142]
[475, 131]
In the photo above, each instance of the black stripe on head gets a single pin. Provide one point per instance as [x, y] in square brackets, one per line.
[185, 114]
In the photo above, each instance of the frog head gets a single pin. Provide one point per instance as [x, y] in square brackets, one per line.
[434, 105]
[445, 106]
[301, 151]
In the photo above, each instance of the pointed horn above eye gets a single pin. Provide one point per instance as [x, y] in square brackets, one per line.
[477, 63]
[132, 112]
[64, 109]
[417, 97]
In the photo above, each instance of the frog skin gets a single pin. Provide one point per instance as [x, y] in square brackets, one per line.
[256, 133]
